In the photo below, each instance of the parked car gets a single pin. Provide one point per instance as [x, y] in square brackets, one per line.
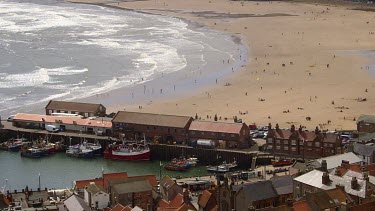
[52, 128]
[10, 118]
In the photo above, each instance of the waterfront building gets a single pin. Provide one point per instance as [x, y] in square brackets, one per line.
[169, 188]
[366, 124]
[133, 192]
[303, 144]
[83, 109]
[232, 134]
[157, 127]
[95, 196]
[63, 123]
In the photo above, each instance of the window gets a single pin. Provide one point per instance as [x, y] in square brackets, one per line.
[223, 134]
[130, 195]
[294, 142]
[269, 146]
[317, 144]
[325, 145]
[294, 149]
[277, 141]
[232, 135]
[278, 147]
[270, 141]
[331, 145]
[309, 144]
[301, 143]
[193, 132]
[213, 134]
[202, 133]
[286, 148]
[175, 130]
[286, 141]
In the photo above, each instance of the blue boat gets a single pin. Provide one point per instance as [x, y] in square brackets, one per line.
[80, 151]
[31, 153]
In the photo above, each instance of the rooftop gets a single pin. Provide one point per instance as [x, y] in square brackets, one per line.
[264, 190]
[366, 118]
[336, 160]
[132, 186]
[220, 127]
[74, 202]
[152, 119]
[72, 106]
[62, 119]
[282, 184]
[314, 179]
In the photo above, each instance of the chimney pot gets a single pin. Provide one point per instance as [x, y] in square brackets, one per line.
[354, 183]
[325, 178]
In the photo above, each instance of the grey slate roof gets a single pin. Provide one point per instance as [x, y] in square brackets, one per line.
[258, 190]
[363, 149]
[282, 184]
[366, 118]
[76, 203]
[93, 189]
[336, 160]
[133, 186]
[365, 137]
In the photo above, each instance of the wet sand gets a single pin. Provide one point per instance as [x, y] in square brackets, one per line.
[299, 67]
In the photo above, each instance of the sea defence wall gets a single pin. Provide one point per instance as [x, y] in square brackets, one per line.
[205, 156]
[158, 151]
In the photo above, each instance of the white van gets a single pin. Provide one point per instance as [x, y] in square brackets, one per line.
[52, 128]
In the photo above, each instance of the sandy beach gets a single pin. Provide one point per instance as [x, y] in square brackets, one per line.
[305, 62]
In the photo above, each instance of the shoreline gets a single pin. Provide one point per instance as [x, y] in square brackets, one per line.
[272, 31]
[127, 92]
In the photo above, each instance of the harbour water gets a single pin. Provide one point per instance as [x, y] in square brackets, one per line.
[59, 170]
[51, 49]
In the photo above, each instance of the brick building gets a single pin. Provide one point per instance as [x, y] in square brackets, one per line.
[133, 192]
[259, 195]
[83, 109]
[233, 134]
[165, 128]
[300, 143]
[366, 124]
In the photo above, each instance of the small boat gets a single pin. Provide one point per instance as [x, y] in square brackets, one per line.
[175, 166]
[96, 148]
[192, 161]
[223, 168]
[282, 163]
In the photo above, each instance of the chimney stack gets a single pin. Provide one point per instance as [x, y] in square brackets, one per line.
[269, 126]
[292, 128]
[300, 129]
[345, 164]
[186, 196]
[325, 178]
[337, 172]
[365, 177]
[324, 165]
[289, 202]
[354, 183]
[277, 126]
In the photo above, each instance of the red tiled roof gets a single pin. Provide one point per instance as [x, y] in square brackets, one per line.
[204, 198]
[219, 127]
[64, 120]
[163, 203]
[177, 201]
[82, 183]
[301, 206]
[367, 206]
[118, 207]
[114, 176]
[127, 208]
[338, 194]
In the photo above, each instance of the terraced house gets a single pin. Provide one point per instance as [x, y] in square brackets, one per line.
[301, 143]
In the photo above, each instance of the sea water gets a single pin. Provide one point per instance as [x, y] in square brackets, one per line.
[51, 49]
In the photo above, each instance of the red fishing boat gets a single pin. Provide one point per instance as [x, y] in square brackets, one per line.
[128, 151]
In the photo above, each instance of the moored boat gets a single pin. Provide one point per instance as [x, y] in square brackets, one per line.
[175, 166]
[31, 153]
[223, 168]
[128, 151]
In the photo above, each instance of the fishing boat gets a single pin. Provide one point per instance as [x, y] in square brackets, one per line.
[13, 145]
[96, 148]
[31, 153]
[79, 151]
[192, 161]
[223, 168]
[282, 163]
[175, 166]
[128, 151]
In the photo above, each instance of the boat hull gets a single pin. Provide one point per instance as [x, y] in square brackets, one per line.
[141, 156]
